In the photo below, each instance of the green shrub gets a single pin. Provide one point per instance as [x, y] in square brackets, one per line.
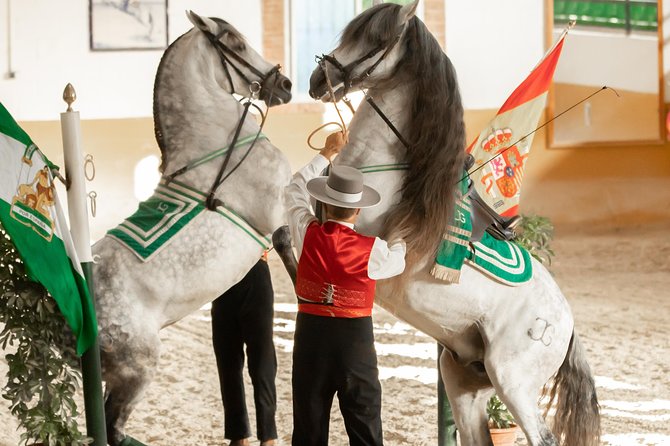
[44, 372]
[535, 233]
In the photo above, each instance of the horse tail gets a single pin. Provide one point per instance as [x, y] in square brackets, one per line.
[577, 419]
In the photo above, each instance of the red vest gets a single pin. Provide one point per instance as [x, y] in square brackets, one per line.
[332, 277]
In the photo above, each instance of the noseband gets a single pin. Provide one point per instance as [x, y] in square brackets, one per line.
[227, 55]
[346, 70]
[349, 81]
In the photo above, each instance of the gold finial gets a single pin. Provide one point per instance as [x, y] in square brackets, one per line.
[69, 96]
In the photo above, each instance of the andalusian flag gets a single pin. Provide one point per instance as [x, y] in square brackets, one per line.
[498, 183]
[33, 218]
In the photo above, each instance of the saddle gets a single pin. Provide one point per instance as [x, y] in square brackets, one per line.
[484, 218]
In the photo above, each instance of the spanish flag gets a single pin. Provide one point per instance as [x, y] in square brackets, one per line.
[502, 148]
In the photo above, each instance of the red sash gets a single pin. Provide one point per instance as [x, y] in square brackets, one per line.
[332, 277]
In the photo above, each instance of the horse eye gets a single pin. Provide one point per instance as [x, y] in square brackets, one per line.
[240, 48]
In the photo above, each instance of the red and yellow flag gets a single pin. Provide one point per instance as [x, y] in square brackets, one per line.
[501, 146]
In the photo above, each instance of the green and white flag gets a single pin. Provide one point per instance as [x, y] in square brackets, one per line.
[32, 216]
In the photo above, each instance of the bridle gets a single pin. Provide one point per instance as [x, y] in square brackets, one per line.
[256, 90]
[349, 81]
[346, 70]
[227, 55]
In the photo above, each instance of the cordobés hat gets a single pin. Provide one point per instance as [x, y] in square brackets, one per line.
[343, 187]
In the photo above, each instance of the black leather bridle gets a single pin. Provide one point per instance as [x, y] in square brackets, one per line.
[349, 81]
[227, 55]
[346, 70]
[256, 89]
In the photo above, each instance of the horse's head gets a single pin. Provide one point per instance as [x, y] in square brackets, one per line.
[368, 53]
[242, 69]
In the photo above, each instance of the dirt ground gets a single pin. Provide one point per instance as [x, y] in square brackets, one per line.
[617, 282]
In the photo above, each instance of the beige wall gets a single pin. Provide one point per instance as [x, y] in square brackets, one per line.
[621, 184]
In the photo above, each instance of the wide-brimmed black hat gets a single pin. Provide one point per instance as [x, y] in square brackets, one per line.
[343, 187]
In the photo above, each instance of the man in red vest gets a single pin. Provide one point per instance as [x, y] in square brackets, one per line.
[334, 348]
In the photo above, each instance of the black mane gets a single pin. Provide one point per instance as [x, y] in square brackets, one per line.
[435, 129]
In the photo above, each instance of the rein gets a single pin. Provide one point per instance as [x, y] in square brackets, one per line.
[348, 82]
[256, 89]
[385, 118]
[347, 70]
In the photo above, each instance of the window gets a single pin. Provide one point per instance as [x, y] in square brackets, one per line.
[314, 29]
[630, 15]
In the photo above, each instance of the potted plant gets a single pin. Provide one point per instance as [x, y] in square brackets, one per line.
[501, 423]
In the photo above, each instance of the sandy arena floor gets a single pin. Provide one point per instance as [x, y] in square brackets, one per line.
[617, 282]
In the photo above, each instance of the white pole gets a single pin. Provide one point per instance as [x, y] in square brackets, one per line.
[74, 172]
[76, 198]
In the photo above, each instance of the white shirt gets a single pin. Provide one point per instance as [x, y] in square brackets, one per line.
[385, 260]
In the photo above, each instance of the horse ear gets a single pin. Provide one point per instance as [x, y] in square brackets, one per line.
[407, 12]
[204, 24]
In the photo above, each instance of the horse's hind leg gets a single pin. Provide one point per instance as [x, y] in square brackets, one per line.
[127, 372]
[518, 382]
[468, 389]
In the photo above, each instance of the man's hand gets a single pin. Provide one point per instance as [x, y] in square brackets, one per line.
[334, 143]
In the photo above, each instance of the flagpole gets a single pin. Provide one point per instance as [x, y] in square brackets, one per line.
[76, 198]
[565, 32]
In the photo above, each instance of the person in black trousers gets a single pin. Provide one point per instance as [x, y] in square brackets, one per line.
[333, 349]
[244, 315]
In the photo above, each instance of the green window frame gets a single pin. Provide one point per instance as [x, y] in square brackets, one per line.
[630, 15]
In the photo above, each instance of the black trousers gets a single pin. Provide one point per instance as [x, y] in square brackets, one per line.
[244, 315]
[335, 355]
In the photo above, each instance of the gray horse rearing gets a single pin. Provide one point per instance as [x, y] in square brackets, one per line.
[511, 340]
[195, 114]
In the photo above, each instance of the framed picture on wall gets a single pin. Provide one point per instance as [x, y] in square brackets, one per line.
[128, 24]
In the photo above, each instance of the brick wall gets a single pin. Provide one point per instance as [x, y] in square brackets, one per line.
[434, 19]
[274, 31]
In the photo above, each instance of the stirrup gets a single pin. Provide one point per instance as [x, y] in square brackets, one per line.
[505, 230]
[486, 219]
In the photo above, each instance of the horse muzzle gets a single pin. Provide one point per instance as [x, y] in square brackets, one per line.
[277, 92]
[318, 86]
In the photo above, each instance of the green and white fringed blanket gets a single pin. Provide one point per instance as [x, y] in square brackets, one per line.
[164, 214]
[504, 261]
[455, 245]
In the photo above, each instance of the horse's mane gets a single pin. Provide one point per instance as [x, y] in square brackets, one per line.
[435, 130]
[158, 130]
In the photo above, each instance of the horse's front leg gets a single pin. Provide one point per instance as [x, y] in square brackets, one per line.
[128, 369]
[281, 240]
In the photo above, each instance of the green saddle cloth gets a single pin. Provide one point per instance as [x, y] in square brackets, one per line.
[159, 218]
[504, 261]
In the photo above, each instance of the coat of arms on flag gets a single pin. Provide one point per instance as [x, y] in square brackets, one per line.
[501, 150]
[32, 202]
[32, 217]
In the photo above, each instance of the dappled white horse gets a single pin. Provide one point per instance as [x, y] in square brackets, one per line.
[500, 338]
[195, 116]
